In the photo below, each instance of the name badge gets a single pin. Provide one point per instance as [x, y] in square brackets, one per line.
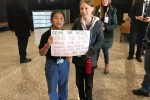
[106, 19]
[60, 61]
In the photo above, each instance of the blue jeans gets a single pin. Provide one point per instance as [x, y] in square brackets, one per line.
[146, 81]
[106, 55]
[57, 75]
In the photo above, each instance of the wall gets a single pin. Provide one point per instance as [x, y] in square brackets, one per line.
[96, 2]
[122, 6]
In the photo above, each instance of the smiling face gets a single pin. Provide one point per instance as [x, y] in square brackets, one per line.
[105, 2]
[58, 21]
[86, 10]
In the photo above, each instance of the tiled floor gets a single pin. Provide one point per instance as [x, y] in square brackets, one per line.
[27, 81]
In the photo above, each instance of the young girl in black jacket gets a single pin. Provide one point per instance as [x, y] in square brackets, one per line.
[87, 22]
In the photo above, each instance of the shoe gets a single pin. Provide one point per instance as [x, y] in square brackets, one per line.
[139, 59]
[139, 92]
[106, 69]
[26, 60]
[82, 99]
[130, 57]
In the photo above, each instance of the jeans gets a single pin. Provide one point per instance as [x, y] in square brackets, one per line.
[106, 55]
[84, 82]
[146, 81]
[57, 75]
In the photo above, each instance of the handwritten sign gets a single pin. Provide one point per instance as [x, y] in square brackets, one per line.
[70, 42]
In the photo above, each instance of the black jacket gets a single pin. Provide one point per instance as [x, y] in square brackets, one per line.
[137, 10]
[110, 26]
[97, 40]
[19, 18]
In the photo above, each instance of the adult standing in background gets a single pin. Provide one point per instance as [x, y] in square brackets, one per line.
[139, 13]
[20, 21]
[107, 14]
[145, 89]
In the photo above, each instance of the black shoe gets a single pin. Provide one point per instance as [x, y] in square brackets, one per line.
[139, 59]
[82, 99]
[106, 72]
[26, 60]
[130, 57]
[139, 92]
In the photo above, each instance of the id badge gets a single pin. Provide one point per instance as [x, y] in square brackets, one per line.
[60, 61]
[106, 19]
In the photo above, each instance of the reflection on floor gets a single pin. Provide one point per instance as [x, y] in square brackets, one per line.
[27, 81]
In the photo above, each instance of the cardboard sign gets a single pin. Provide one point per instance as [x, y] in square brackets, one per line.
[70, 42]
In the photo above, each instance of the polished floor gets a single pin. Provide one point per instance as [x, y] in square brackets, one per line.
[27, 81]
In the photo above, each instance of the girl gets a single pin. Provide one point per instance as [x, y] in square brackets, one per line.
[56, 74]
[107, 14]
[84, 81]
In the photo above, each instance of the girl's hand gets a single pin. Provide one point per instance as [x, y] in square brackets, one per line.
[144, 51]
[68, 58]
[50, 41]
[87, 55]
[103, 28]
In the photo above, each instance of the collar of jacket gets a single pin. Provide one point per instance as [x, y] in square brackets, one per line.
[109, 9]
[94, 19]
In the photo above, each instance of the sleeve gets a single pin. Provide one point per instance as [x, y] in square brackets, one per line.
[131, 13]
[9, 18]
[28, 17]
[113, 25]
[98, 42]
[42, 41]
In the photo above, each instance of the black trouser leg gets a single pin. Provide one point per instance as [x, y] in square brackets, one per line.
[133, 37]
[89, 85]
[139, 48]
[80, 75]
[22, 46]
[146, 80]
[141, 34]
[140, 42]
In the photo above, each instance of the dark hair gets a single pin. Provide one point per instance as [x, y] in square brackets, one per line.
[57, 11]
[89, 2]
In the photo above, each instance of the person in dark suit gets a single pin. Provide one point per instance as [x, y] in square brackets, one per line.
[145, 89]
[20, 21]
[139, 15]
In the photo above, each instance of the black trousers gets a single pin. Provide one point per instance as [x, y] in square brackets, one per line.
[146, 80]
[22, 46]
[84, 82]
[137, 36]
